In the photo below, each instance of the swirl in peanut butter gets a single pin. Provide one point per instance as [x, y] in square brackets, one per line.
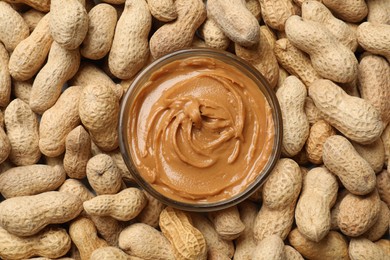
[200, 130]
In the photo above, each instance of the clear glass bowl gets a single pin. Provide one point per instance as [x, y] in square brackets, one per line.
[239, 64]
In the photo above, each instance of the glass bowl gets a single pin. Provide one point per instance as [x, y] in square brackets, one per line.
[141, 105]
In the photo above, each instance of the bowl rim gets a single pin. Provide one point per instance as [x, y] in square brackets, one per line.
[271, 98]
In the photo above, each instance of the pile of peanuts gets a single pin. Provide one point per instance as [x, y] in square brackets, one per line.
[66, 192]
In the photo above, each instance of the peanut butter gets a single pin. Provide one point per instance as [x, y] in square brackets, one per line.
[200, 130]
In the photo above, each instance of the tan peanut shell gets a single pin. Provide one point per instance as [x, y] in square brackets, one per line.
[374, 85]
[386, 143]
[214, 241]
[120, 163]
[5, 145]
[348, 10]
[261, 57]
[101, 27]
[114, 2]
[318, 134]
[238, 23]
[68, 23]
[108, 228]
[295, 61]
[271, 247]
[362, 248]
[213, 36]
[77, 152]
[151, 212]
[99, 112]
[319, 193]
[27, 215]
[375, 38]
[381, 226]
[275, 13]
[186, 240]
[145, 242]
[254, 7]
[30, 54]
[49, 243]
[332, 246]
[385, 245]
[123, 206]
[383, 186]
[179, 33]
[108, 253]
[58, 121]
[77, 188]
[103, 175]
[341, 158]
[40, 5]
[22, 89]
[378, 11]
[163, 10]
[357, 214]
[13, 29]
[5, 77]
[31, 180]
[316, 11]
[373, 153]
[312, 112]
[84, 235]
[32, 18]
[329, 57]
[227, 222]
[291, 96]
[355, 117]
[22, 130]
[61, 65]
[130, 50]
[292, 253]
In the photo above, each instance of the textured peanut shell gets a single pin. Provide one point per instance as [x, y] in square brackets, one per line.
[355, 117]
[292, 253]
[130, 50]
[318, 134]
[58, 121]
[5, 145]
[123, 206]
[213, 36]
[163, 10]
[214, 242]
[151, 213]
[373, 153]
[312, 112]
[30, 54]
[329, 57]
[245, 243]
[383, 186]
[77, 188]
[31, 180]
[332, 246]
[386, 143]
[61, 65]
[84, 235]
[271, 247]
[378, 11]
[375, 38]
[49, 243]
[291, 96]
[312, 213]
[5, 77]
[146, 242]
[32, 18]
[99, 112]
[275, 13]
[40, 5]
[68, 23]
[27, 215]
[362, 248]
[348, 10]
[77, 152]
[254, 7]
[381, 226]
[186, 240]
[374, 83]
[295, 61]
[341, 158]
[101, 27]
[316, 11]
[22, 90]
[22, 130]
[357, 214]
[108, 228]
[120, 163]
[13, 29]
[385, 245]
[103, 175]
[227, 222]
[179, 33]
[261, 57]
[108, 253]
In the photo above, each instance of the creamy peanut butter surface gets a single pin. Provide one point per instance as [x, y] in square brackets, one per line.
[200, 130]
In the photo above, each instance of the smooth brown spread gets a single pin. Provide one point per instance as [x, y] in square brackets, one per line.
[200, 130]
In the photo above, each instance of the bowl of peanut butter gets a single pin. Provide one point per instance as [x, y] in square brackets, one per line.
[200, 129]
